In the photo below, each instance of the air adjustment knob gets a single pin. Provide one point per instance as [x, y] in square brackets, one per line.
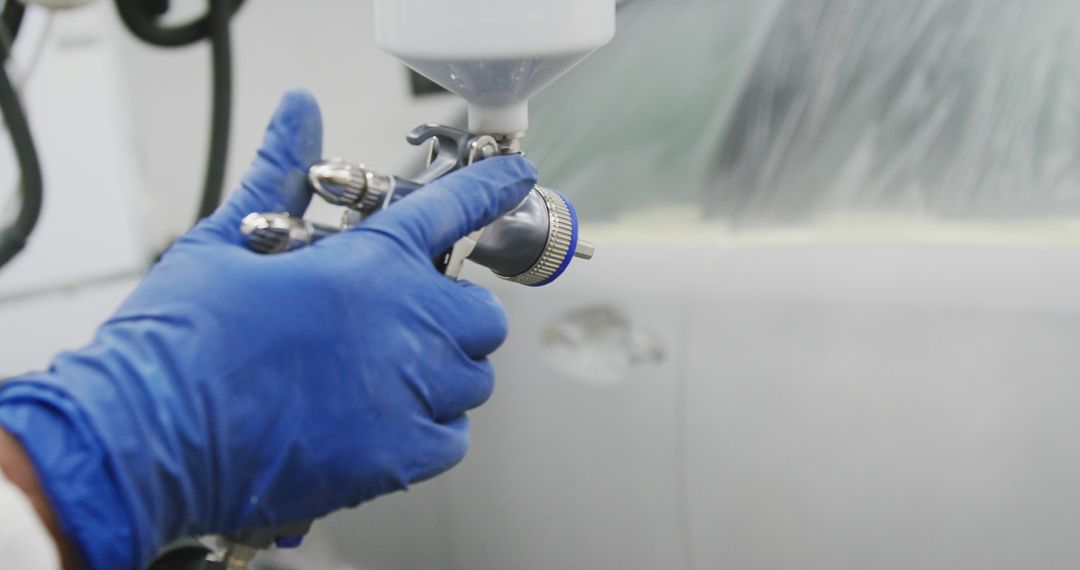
[278, 232]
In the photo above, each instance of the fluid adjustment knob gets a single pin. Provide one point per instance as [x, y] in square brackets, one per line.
[535, 242]
[343, 183]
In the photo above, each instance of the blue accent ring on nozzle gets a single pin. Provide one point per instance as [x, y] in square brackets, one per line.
[573, 241]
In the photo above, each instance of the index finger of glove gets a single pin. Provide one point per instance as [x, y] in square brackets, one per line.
[432, 218]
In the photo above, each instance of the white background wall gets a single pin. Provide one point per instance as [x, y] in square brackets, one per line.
[92, 225]
[767, 408]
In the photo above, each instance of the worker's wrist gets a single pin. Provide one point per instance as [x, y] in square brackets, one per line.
[74, 474]
[17, 468]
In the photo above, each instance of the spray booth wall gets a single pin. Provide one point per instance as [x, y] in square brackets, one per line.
[834, 317]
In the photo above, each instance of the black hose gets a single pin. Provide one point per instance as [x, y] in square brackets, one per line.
[221, 109]
[11, 18]
[13, 238]
[141, 19]
[144, 26]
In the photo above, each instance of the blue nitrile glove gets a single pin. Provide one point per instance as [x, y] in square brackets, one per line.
[234, 390]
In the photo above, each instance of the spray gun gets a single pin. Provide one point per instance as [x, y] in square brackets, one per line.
[532, 245]
[495, 55]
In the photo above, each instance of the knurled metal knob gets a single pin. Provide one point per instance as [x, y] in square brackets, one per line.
[562, 242]
[268, 232]
[343, 183]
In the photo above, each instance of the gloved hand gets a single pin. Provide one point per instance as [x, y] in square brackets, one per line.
[234, 390]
